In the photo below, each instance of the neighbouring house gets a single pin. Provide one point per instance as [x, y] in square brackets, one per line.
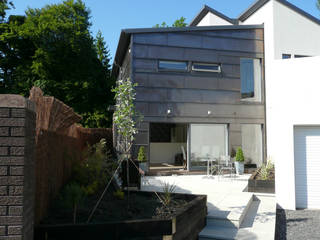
[223, 83]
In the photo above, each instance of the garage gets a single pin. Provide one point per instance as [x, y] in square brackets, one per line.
[307, 166]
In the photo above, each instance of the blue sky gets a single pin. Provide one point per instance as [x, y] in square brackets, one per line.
[111, 16]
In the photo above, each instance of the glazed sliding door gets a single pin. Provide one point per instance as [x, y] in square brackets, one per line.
[207, 141]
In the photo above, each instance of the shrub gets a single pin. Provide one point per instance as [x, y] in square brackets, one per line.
[142, 155]
[94, 172]
[239, 155]
[72, 197]
[166, 197]
[119, 194]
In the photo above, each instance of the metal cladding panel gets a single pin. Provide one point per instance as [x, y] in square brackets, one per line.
[142, 137]
[151, 94]
[201, 110]
[256, 34]
[185, 40]
[196, 82]
[151, 38]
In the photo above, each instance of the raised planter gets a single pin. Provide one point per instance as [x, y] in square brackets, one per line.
[187, 223]
[261, 186]
[250, 168]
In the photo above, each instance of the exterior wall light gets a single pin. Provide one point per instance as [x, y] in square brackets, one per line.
[169, 111]
[209, 112]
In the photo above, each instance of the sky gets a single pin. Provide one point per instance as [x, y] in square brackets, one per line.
[110, 16]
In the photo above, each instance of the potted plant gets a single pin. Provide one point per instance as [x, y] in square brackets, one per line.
[142, 158]
[239, 163]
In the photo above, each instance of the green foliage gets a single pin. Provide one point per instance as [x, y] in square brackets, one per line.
[4, 6]
[52, 48]
[265, 170]
[119, 194]
[98, 167]
[166, 197]
[142, 157]
[239, 155]
[181, 22]
[125, 116]
[72, 196]
[318, 4]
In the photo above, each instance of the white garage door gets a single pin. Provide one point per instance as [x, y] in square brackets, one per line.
[307, 166]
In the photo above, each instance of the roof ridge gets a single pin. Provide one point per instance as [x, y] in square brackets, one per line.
[204, 11]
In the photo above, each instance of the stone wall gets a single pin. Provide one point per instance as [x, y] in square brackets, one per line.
[17, 178]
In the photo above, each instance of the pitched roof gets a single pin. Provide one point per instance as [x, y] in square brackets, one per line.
[259, 3]
[248, 12]
[205, 10]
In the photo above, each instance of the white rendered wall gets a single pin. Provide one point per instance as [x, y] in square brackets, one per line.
[294, 33]
[213, 20]
[293, 97]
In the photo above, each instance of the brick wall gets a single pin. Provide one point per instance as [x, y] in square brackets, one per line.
[40, 141]
[17, 181]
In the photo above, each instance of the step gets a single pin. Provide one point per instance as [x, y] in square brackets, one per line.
[258, 222]
[217, 232]
[230, 212]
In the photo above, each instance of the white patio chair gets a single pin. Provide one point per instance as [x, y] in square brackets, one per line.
[225, 164]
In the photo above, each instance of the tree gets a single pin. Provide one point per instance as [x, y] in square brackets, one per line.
[4, 6]
[318, 4]
[125, 119]
[62, 58]
[177, 23]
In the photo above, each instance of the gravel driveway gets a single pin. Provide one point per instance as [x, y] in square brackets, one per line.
[300, 224]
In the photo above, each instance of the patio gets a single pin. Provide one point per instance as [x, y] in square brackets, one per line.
[232, 213]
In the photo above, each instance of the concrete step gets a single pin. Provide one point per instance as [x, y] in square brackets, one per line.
[258, 222]
[231, 212]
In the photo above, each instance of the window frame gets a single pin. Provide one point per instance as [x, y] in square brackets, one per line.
[205, 70]
[172, 70]
[257, 83]
[286, 56]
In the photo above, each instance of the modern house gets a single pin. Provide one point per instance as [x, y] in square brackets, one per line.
[224, 83]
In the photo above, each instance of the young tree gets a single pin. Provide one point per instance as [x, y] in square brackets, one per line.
[125, 119]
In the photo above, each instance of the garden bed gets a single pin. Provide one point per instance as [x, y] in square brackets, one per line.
[256, 184]
[144, 219]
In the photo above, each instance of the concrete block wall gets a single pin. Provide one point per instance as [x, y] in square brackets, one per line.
[17, 177]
